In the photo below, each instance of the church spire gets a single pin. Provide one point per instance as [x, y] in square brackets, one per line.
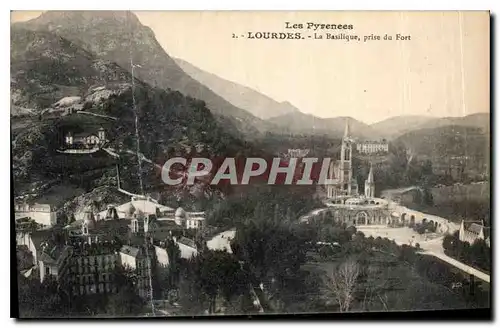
[370, 175]
[369, 184]
[346, 130]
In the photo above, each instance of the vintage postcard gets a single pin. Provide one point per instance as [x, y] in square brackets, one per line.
[205, 163]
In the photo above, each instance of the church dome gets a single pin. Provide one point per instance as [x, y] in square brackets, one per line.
[180, 213]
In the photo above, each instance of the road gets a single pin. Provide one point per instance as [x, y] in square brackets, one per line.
[464, 267]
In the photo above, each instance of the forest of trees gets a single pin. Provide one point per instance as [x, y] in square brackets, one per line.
[263, 202]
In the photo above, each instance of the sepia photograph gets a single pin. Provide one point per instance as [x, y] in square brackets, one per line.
[169, 164]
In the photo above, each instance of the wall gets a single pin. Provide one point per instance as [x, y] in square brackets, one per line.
[127, 260]
[186, 251]
[162, 256]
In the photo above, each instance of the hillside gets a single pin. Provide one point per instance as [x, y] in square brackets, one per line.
[399, 125]
[451, 147]
[243, 97]
[121, 38]
[445, 141]
[298, 122]
[478, 120]
[46, 67]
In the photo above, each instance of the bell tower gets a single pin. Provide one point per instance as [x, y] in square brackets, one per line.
[346, 161]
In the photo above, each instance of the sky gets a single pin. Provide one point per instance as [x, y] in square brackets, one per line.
[443, 70]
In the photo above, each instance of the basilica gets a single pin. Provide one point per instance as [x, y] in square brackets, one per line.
[340, 171]
[346, 202]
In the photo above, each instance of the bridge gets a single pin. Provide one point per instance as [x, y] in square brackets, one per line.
[432, 247]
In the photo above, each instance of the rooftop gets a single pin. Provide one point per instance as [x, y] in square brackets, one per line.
[476, 227]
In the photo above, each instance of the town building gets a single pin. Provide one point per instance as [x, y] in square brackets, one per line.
[54, 260]
[33, 241]
[93, 267]
[86, 139]
[470, 231]
[41, 213]
[372, 146]
[141, 206]
[297, 153]
[93, 247]
[136, 259]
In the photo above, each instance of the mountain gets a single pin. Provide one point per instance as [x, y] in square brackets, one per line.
[298, 122]
[399, 125]
[118, 36]
[46, 67]
[254, 102]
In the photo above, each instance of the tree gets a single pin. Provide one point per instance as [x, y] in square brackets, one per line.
[480, 255]
[217, 273]
[174, 255]
[271, 250]
[450, 244]
[427, 197]
[126, 301]
[342, 283]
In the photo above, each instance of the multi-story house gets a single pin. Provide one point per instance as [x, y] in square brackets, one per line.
[92, 268]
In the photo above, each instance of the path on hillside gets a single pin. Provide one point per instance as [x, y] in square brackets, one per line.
[97, 115]
[389, 193]
[462, 266]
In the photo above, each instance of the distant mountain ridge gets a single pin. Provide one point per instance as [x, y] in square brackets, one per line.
[398, 125]
[241, 96]
[299, 122]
